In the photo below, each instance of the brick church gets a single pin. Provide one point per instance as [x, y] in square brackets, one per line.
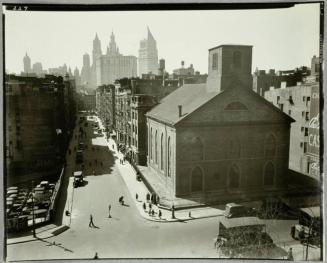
[220, 140]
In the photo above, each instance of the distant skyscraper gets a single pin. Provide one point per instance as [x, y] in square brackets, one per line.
[96, 54]
[86, 70]
[148, 55]
[37, 68]
[27, 64]
[114, 65]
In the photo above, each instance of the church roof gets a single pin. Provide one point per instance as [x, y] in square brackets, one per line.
[189, 96]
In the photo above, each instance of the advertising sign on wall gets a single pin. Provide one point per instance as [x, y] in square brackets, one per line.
[314, 142]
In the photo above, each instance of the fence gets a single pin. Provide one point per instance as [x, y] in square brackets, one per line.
[55, 195]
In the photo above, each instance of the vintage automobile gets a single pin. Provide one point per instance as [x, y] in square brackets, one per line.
[78, 178]
[235, 210]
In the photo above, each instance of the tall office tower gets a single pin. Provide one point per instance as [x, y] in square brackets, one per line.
[113, 65]
[148, 55]
[96, 54]
[27, 64]
[86, 71]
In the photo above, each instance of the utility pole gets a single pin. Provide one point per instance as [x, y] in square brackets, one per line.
[33, 214]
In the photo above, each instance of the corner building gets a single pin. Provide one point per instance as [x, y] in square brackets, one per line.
[220, 141]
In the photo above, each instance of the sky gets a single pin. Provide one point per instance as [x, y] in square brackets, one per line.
[281, 38]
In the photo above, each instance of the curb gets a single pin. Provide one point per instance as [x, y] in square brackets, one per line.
[44, 235]
[177, 219]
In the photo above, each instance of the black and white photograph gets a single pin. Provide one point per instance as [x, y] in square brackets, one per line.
[163, 131]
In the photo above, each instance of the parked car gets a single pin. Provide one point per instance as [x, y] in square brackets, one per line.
[236, 210]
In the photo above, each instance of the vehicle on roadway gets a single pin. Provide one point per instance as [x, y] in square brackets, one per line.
[78, 178]
[236, 210]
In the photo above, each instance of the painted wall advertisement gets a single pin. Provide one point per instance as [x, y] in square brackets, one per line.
[314, 141]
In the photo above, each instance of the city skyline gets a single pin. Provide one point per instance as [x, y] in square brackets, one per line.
[259, 28]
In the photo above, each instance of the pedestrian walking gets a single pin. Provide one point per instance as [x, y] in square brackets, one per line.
[136, 196]
[91, 224]
[144, 206]
[149, 212]
[290, 255]
[159, 214]
[189, 214]
[150, 206]
[96, 255]
[113, 146]
[147, 197]
[152, 212]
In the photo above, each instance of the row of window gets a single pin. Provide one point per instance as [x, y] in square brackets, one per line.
[234, 177]
[290, 99]
[306, 131]
[154, 151]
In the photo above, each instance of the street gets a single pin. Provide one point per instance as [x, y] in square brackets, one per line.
[126, 234]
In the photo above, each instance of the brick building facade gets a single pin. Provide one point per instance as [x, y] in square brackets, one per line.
[220, 140]
[40, 117]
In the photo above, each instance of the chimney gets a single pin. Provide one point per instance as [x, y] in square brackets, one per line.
[133, 84]
[179, 111]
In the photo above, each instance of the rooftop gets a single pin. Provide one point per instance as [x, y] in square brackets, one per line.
[189, 96]
[229, 45]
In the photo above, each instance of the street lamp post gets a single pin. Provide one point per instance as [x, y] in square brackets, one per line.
[33, 214]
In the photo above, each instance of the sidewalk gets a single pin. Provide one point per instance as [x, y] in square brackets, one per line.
[137, 187]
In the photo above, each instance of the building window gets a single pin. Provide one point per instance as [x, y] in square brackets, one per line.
[290, 99]
[281, 106]
[237, 59]
[278, 99]
[306, 132]
[301, 144]
[290, 112]
[215, 61]
[234, 177]
[307, 116]
[161, 152]
[270, 146]
[156, 147]
[302, 129]
[197, 180]
[269, 174]
[305, 147]
[169, 156]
